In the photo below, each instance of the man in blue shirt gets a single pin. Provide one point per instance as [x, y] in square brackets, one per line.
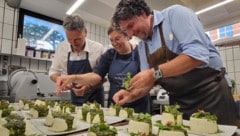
[176, 53]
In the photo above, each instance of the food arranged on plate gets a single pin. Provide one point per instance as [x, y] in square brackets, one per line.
[171, 123]
[126, 112]
[93, 105]
[25, 104]
[204, 122]
[40, 110]
[140, 124]
[60, 118]
[95, 116]
[101, 129]
[15, 125]
[5, 108]
[62, 122]
[66, 107]
[114, 110]
[91, 113]
[171, 129]
[172, 114]
[123, 112]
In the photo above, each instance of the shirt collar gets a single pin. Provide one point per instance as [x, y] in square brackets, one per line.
[86, 48]
[157, 18]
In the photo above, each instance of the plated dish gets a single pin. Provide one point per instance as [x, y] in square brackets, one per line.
[39, 124]
[226, 130]
[82, 127]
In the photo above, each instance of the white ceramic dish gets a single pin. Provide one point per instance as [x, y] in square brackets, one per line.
[39, 124]
[85, 134]
[226, 129]
[112, 119]
[81, 126]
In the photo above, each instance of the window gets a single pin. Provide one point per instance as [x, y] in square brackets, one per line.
[39, 31]
[226, 31]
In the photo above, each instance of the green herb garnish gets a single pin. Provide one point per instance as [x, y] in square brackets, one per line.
[101, 129]
[126, 81]
[171, 127]
[202, 114]
[66, 116]
[16, 125]
[118, 108]
[172, 109]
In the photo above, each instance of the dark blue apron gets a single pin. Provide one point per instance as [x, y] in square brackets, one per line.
[81, 67]
[199, 89]
[117, 72]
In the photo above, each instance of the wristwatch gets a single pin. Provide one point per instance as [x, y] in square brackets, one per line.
[157, 73]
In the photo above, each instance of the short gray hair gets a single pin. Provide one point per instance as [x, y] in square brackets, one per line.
[73, 22]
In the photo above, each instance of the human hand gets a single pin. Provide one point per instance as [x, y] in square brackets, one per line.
[63, 83]
[81, 90]
[142, 80]
[122, 97]
[128, 96]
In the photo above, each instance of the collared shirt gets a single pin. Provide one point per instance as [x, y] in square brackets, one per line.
[183, 34]
[59, 62]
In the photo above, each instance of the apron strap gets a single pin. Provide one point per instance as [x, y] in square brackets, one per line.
[163, 44]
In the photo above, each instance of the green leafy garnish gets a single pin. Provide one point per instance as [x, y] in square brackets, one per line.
[146, 118]
[66, 116]
[143, 118]
[42, 110]
[172, 109]
[6, 108]
[101, 129]
[126, 81]
[115, 106]
[171, 127]
[130, 111]
[202, 114]
[66, 104]
[16, 125]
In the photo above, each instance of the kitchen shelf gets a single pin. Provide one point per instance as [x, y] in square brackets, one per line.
[25, 57]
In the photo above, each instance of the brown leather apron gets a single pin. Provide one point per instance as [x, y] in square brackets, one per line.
[201, 88]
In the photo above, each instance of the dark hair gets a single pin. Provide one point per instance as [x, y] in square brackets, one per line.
[112, 28]
[127, 9]
[73, 22]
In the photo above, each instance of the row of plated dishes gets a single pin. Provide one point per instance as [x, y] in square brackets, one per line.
[44, 117]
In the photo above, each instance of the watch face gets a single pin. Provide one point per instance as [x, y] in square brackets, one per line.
[158, 74]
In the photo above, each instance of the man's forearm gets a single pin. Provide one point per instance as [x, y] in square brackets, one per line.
[92, 79]
[179, 65]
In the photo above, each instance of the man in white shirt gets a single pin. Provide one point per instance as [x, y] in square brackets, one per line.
[77, 55]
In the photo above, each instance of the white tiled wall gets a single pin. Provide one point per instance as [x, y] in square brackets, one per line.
[231, 60]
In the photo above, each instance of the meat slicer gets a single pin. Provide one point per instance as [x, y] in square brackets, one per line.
[162, 97]
[26, 84]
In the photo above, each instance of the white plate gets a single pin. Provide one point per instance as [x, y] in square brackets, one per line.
[39, 124]
[15, 106]
[112, 119]
[81, 126]
[226, 130]
[85, 134]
